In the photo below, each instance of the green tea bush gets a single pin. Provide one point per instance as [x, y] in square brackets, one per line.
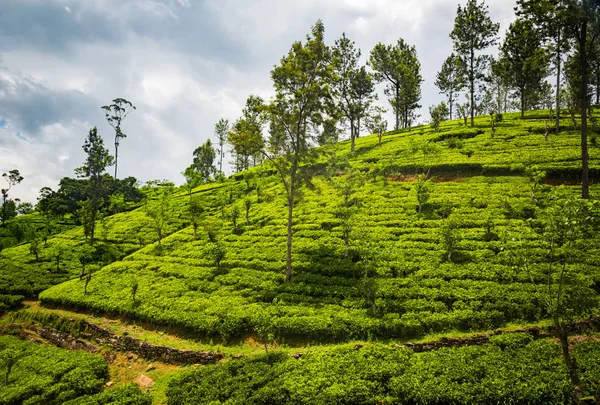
[511, 370]
[47, 375]
[129, 394]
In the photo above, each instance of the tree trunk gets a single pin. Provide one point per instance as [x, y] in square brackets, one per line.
[571, 364]
[116, 154]
[522, 104]
[397, 109]
[288, 271]
[472, 82]
[558, 64]
[352, 135]
[585, 193]
[451, 102]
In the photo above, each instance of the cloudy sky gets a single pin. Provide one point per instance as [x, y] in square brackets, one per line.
[183, 63]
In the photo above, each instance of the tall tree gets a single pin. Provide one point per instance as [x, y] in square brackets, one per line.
[363, 91]
[473, 32]
[451, 79]
[353, 86]
[302, 98]
[115, 114]
[13, 177]
[580, 21]
[549, 19]
[204, 158]
[221, 131]
[246, 137]
[399, 66]
[98, 159]
[526, 60]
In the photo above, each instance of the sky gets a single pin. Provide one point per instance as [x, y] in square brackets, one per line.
[183, 63]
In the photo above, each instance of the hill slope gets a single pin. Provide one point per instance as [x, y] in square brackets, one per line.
[406, 289]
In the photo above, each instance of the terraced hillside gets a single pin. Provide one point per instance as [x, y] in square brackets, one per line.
[407, 288]
[367, 267]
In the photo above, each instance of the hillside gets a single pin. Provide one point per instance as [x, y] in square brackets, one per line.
[387, 275]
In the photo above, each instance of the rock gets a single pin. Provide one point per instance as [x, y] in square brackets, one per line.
[358, 346]
[144, 381]
[237, 356]
[125, 333]
[150, 367]
[296, 355]
[110, 383]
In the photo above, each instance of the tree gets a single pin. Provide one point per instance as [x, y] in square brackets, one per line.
[192, 178]
[85, 255]
[221, 131]
[526, 61]
[400, 67]
[246, 137]
[247, 205]
[422, 190]
[438, 114]
[217, 252]
[302, 98]
[88, 278]
[536, 177]
[451, 79]
[579, 20]
[134, 289]
[473, 32]
[234, 214]
[195, 211]
[35, 245]
[264, 328]
[204, 157]
[548, 18]
[98, 159]
[25, 208]
[376, 124]
[115, 114]
[499, 82]
[160, 211]
[13, 177]
[344, 59]
[449, 238]
[353, 86]
[563, 279]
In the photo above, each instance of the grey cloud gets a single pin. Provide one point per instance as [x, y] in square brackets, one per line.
[185, 64]
[28, 105]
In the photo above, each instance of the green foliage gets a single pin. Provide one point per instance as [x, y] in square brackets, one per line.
[473, 32]
[399, 66]
[221, 131]
[449, 238]
[510, 370]
[45, 375]
[451, 79]
[422, 188]
[203, 164]
[526, 60]
[128, 394]
[160, 212]
[115, 114]
[439, 113]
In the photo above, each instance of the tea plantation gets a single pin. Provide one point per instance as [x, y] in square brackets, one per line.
[34, 373]
[371, 263]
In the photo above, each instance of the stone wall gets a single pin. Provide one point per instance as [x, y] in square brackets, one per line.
[123, 343]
